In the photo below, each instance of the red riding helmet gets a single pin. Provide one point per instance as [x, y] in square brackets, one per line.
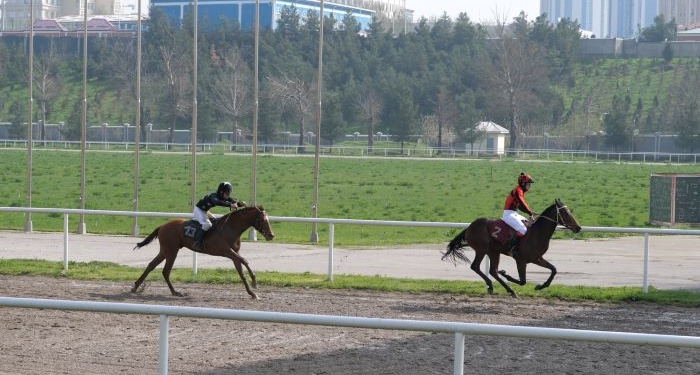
[524, 179]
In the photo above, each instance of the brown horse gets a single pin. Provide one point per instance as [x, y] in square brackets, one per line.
[223, 239]
[479, 235]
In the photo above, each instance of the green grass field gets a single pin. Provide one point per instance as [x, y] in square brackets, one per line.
[113, 272]
[436, 190]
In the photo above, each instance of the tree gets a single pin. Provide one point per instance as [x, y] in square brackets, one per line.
[513, 68]
[618, 133]
[682, 112]
[400, 114]
[660, 31]
[332, 124]
[46, 81]
[296, 95]
[369, 105]
[230, 88]
[446, 113]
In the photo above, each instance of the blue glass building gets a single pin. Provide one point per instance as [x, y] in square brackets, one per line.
[243, 11]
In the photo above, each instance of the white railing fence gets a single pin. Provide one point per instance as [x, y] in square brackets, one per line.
[459, 329]
[331, 230]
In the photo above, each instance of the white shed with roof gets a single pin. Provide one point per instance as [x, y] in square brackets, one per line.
[492, 139]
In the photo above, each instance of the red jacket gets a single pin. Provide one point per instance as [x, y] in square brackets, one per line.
[516, 201]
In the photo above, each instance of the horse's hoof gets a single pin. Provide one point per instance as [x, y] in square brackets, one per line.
[514, 295]
[178, 294]
[489, 290]
[138, 288]
[255, 297]
[255, 285]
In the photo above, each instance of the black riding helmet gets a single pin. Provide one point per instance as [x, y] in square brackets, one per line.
[224, 187]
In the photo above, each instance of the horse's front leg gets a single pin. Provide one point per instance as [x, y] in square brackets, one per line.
[522, 267]
[543, 263]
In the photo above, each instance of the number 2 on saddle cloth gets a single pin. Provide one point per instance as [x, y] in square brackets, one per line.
[502, 232]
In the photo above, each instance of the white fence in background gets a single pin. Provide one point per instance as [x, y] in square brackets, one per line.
[458, 328]
[378, 149]
[331, 230]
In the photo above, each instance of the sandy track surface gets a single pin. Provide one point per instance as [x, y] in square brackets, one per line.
[63, 342]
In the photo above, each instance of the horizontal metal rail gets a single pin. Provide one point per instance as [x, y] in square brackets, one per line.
[458, 328]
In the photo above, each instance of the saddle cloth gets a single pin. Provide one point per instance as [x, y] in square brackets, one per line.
[191, 227]
[501, 232]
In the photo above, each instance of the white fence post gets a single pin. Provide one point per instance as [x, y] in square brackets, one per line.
[459, 354]
[65, 242]
[163, 345]
[331, 235]
[645, 282]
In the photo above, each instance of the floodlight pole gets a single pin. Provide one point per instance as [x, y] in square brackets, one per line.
[137, 123]
[314, 207]
[252, 234]
[193, 135]
[30, 136]
[83, 122]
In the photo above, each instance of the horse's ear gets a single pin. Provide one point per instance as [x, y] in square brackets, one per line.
[557, 201]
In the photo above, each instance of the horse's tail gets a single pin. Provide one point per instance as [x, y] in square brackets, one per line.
[148, 239]
[454, 248]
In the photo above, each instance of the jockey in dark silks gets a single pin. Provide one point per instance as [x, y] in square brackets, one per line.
[222, 197]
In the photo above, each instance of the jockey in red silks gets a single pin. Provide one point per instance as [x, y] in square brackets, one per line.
[516, 201]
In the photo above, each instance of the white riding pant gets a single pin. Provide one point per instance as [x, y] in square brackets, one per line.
[515, 220]
[202, 217]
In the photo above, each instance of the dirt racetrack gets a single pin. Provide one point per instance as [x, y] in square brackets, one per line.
[64, 342]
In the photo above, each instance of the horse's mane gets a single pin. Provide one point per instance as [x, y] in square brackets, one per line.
[246, 208]
[547, 213]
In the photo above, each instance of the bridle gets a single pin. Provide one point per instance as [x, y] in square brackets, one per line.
[559, 218]
[258, 223]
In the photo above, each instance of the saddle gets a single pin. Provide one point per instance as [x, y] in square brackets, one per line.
[501, 232]
[191, 227]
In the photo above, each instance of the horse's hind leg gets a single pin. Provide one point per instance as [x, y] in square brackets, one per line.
[151, 266]
[493, 271]
[169, 262]
[476, 263]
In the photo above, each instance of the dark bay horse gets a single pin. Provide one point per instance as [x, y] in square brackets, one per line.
[223, 239]
[479, 236]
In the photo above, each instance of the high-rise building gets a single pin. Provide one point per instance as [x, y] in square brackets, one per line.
[618, 18]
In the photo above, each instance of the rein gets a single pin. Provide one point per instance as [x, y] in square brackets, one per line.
[557, 221]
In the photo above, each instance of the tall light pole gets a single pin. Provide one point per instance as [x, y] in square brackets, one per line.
[194, 120]
[137, 123]
[83, 122]
[317, 155]
[252, 235]
[30, 136]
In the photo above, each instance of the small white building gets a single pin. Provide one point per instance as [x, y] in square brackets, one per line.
[492, 141]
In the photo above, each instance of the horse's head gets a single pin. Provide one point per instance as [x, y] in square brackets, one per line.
[249, 216]
[262, 223]
[565, 217]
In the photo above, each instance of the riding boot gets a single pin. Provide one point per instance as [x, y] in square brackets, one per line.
[198, 238]
[514, 246]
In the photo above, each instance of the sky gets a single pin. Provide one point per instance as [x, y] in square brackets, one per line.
[479, 11]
